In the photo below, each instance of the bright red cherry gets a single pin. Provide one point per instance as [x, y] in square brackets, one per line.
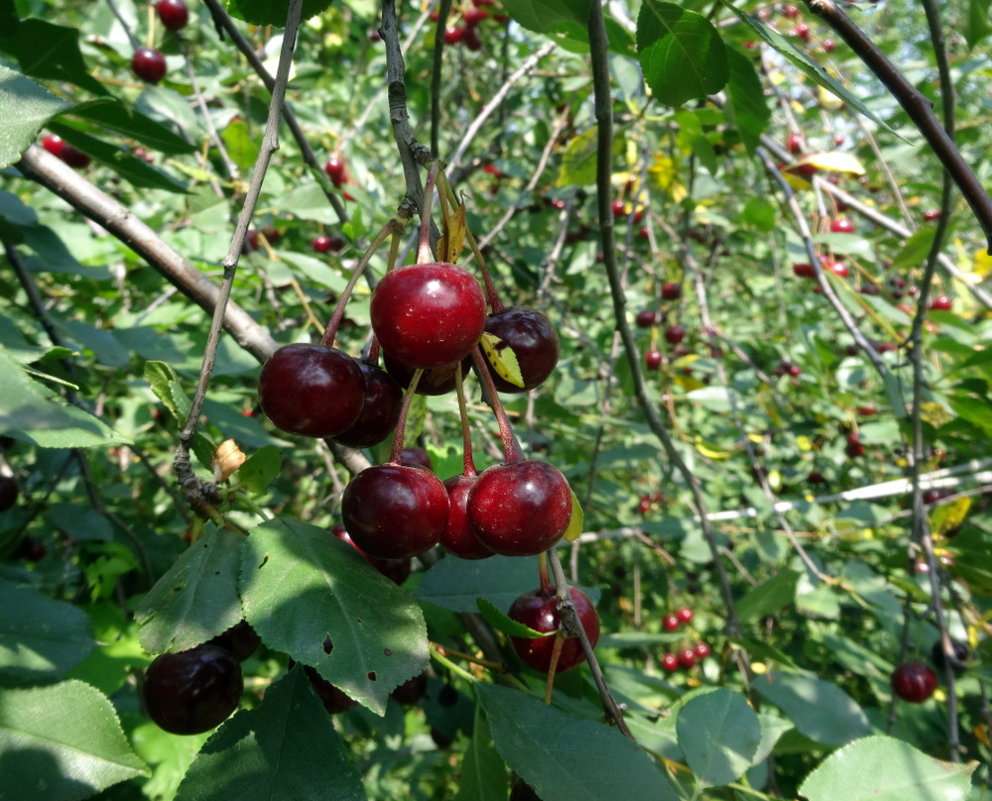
[396, 570]
[473, 16]
[791, 11]
[684, 614]
[802, 31]
[670, 663]
[842, 225]
[311, 390]
[539, 611]
[671, 291]
[379, 413]
[327, 244]
[670, 623]
[794, 143]
[427, 315]
[520, 508]
[453, 36]
[53, 144]
[393, 511]
[618, 208]
[829, 45]
[336, 170]
[839, 269]
[534, 341]
[173, 13]
[192, 691]
[687, 658]
[675, 334]
[702, 650]
[652, 359]
[913, 682]
[148, 64]
[458, 537]
[941, 303]
[931, 214]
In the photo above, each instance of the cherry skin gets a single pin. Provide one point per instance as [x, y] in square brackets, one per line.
[393, 511]
[532, 338]
[520, 508]
[652, 359]
[684, 614]
[334, 699]
[173, 13]
[336, 170]
[427, 315]
[9, 490]
[327, 244]
[148, 64]
[433, 381]
[687, 658]
[192, 691]
[802, 31]
[311, 390]
[53, 144]
[842, 225]
[458, 538]
[539, 611]
[913, 682]
[670, 663]
[75, 158]
[804, 270]
[670, 623]
[941, 303]
[671, 291]
[958, 660]
[647, 318]
[675, 334]
[396, 570]
[618, 208]
[794, 144]
[702, 650]
[453, 36]
[791, 11]
[379, 413]
[241, 640]
[413, 456]
[931, 214]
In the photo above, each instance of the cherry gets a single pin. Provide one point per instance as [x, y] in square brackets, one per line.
[433, 381]
[414, 456]
[855, 447]
[334, 699]
[336, 170]
[702, 650]
[520, 508]
[802, 31]
[647, 318]
[9, 490]
[394, 511]
[53, 144]
[148, 64]
[30, 549]
[670, 662]
[523, 792]
[618, 208]
[75, 158]
[913, 682]
[941, 303]
[842, 225]
[411, 691]
[930, 215]
[839, 269]
[804, 270]
[379, 413]
[241, 640]
[539, 610]
[674, 334]
[652, 359]
[791, 11]
[472, 39]
[453, 36]
[532, 338]
[458, 537]
[671, 291]
[251, 239]
[794, 143]
[173, 13]
[670, 623]
[958, 660]
[312, 390]
[192, 691]
[931, 496]
[473, 16]
[396, 570]
[427, 315]
[327, 244]
[684, 614]
[687, 658]
[829, 45]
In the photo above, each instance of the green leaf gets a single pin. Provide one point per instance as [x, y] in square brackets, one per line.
[24, 107]
[886, 769]
[50, 52]
[197, 598]
[565, 758]
[819, 709]
[977, 25]
[719, 734]
[769, 597]
[746, 107]
[578, 164]
[267, 12]
[125, 120]
[286, 749]
[241, 147]
[40, 638]
[260, 469]
[483, 776]
[915, 249]
[62, 743]
[300, 585]
[165, 384]
[508, 625]
[455, 584]
[681, 53]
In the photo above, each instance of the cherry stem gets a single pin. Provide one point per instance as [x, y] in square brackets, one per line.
[373, 357]
[468, 464]
[424, 255]
[397, 450]
[547, 588]
[511, 449]
[394, 227]
[553, 667]
[492, 296]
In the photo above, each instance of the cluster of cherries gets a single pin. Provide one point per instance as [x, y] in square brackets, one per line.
[915, 681]
[467, 34]
[148, 63]
[686, 658]
[653, 318]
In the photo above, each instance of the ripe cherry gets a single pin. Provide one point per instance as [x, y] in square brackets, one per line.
[192, 691]
[336, 170]
[327, 244]
[53, 144]
[687, 658]
[647, 318]
[829, 45]
[394, 511]
[855, 447]
[804, 270]
[311, 390]
[913, 682]
[458, 537]
[396, 570]
[433, 381]
[473, 16]
[414, 456]
[76, 159]
[670, 623]
[930, 215]
[453, 36]
[802, 31]
[411, 691]
[791, 11]
[379, 413]
[941, 303]
[674, 334]
[652, 359]
[334, 699]
[9, 490]
[670, 662]
[520, 508]
[523, 792]
[794, 143]
[671, 291]
[702, 650]
[148, 64]
[241, 640]
[427, 315]
[842, 225]
[534, 341]
[472, 39]
[684, 614]
[539, 610]
[839, 269]
[173, 13]
[957, 660]
[618, 208]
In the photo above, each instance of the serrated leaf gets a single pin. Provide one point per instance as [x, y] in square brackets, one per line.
[197, 598]
[483, 776]
[502, 359]
[286, 749]
[719, 734]
[260, 469]
[746, 108]
[681, 53]
[886, 769]
[267, 12]
[576, 523]
[578, 163]
[24, 107]
[501, 622]
[63, 742]
[118, 116]
[301, 585]
[769, 597]
[565, 758]
[819, 709]
[49, 52]
[455, 584]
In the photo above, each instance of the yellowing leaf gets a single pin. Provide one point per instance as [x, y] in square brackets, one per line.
[664, 175]
[804, 443]
[576, 521]
[834, 161]
[455, 235]
[688, 382]
[502, 358]
[949, 515]
[934, 413]
[983, 263]
[709, 453]
[828, 100]
[757, 439]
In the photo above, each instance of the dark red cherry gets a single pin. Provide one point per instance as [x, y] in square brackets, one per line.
[173, 13]
[427, 315]
[687, 658]
[675, 334]
[396, 570]
[379, 413]
[473, 16]
[520, 508]
[958, 660]
[652, 359]
[393, 511]
[148, 64]
[472, 40]
[702, 651]
[414, 456]
[648, 318]
[336, 170]
[76, 159]
[311, 390]
[433, 381]
[458, 537]
[539, 611]
[9, 490]
[532, 338]
[855, 447]
[334, 699]
[192, 691]
[327, 244]
[411, 691]
[913, 682]
[842, 225]
[671, 291]
[453, 36]
[241, 640]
